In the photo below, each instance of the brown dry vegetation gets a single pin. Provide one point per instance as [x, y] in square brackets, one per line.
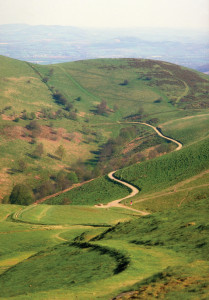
[159, 290]
[16, 132]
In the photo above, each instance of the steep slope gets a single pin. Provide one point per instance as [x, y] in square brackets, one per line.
[77, 106]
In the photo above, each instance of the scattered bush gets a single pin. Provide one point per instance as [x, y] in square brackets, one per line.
[59, 98]
[61, 152]
[33, 125]
[153, 121]
[69, 106]
[39, 151]
[102, 108]
[125, 82]
[45, 79]
[21, 165]
[17, 119]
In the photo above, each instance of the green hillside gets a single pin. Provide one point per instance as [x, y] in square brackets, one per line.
[63, 128]
[76, 106]
[184, 231]
[169, 169]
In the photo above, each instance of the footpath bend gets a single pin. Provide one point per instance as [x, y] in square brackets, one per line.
[134, 190]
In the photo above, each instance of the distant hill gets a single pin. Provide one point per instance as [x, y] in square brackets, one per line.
[57, 44]
[204, 69]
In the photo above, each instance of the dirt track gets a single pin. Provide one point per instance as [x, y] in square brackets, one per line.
[158, 132]
[116, 203]
[134, 191]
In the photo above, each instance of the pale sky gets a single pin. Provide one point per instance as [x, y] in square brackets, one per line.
[192, 14]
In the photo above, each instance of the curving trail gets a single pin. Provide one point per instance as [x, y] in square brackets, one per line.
[158, 132]
[134, 190]
[116, 203]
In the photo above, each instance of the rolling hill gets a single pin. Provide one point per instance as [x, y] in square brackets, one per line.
[61, 106]
[62, 129]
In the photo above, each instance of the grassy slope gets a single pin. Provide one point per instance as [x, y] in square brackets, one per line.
[170, 238]
[100, 190]
[67, 272]
[167, 170]
[92, 80]
[73, 215]
[22, 87]
[191, 189]
[183, 230]
[20, 240]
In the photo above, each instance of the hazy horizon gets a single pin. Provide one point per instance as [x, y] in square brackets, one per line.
[108, 14]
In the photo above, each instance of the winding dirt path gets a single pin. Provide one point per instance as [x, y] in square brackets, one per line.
[116, 203]
[134, 190]
[158, 132]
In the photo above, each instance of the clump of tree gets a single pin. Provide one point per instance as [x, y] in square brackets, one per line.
[72, 116]
[68, 112]
[138, 116]
[27, 116]
[16, 119]
[83, 171]
[60, 98]
[60, 181]
[47, 113]
[38, 151]
[159, 100]
[125, 82]
[45, 79]
[60, 152]
[72, 177]
[21, 194]
[64, 180]
[102, 108]
[111, 154]
[21, 165]
[69, 106]
[45, 189]
[153, 121]
[35, 128]
[33, 125]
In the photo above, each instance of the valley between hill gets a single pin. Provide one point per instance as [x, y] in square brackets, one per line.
[62, 129]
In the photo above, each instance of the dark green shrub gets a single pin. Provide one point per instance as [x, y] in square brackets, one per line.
[21, 194]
